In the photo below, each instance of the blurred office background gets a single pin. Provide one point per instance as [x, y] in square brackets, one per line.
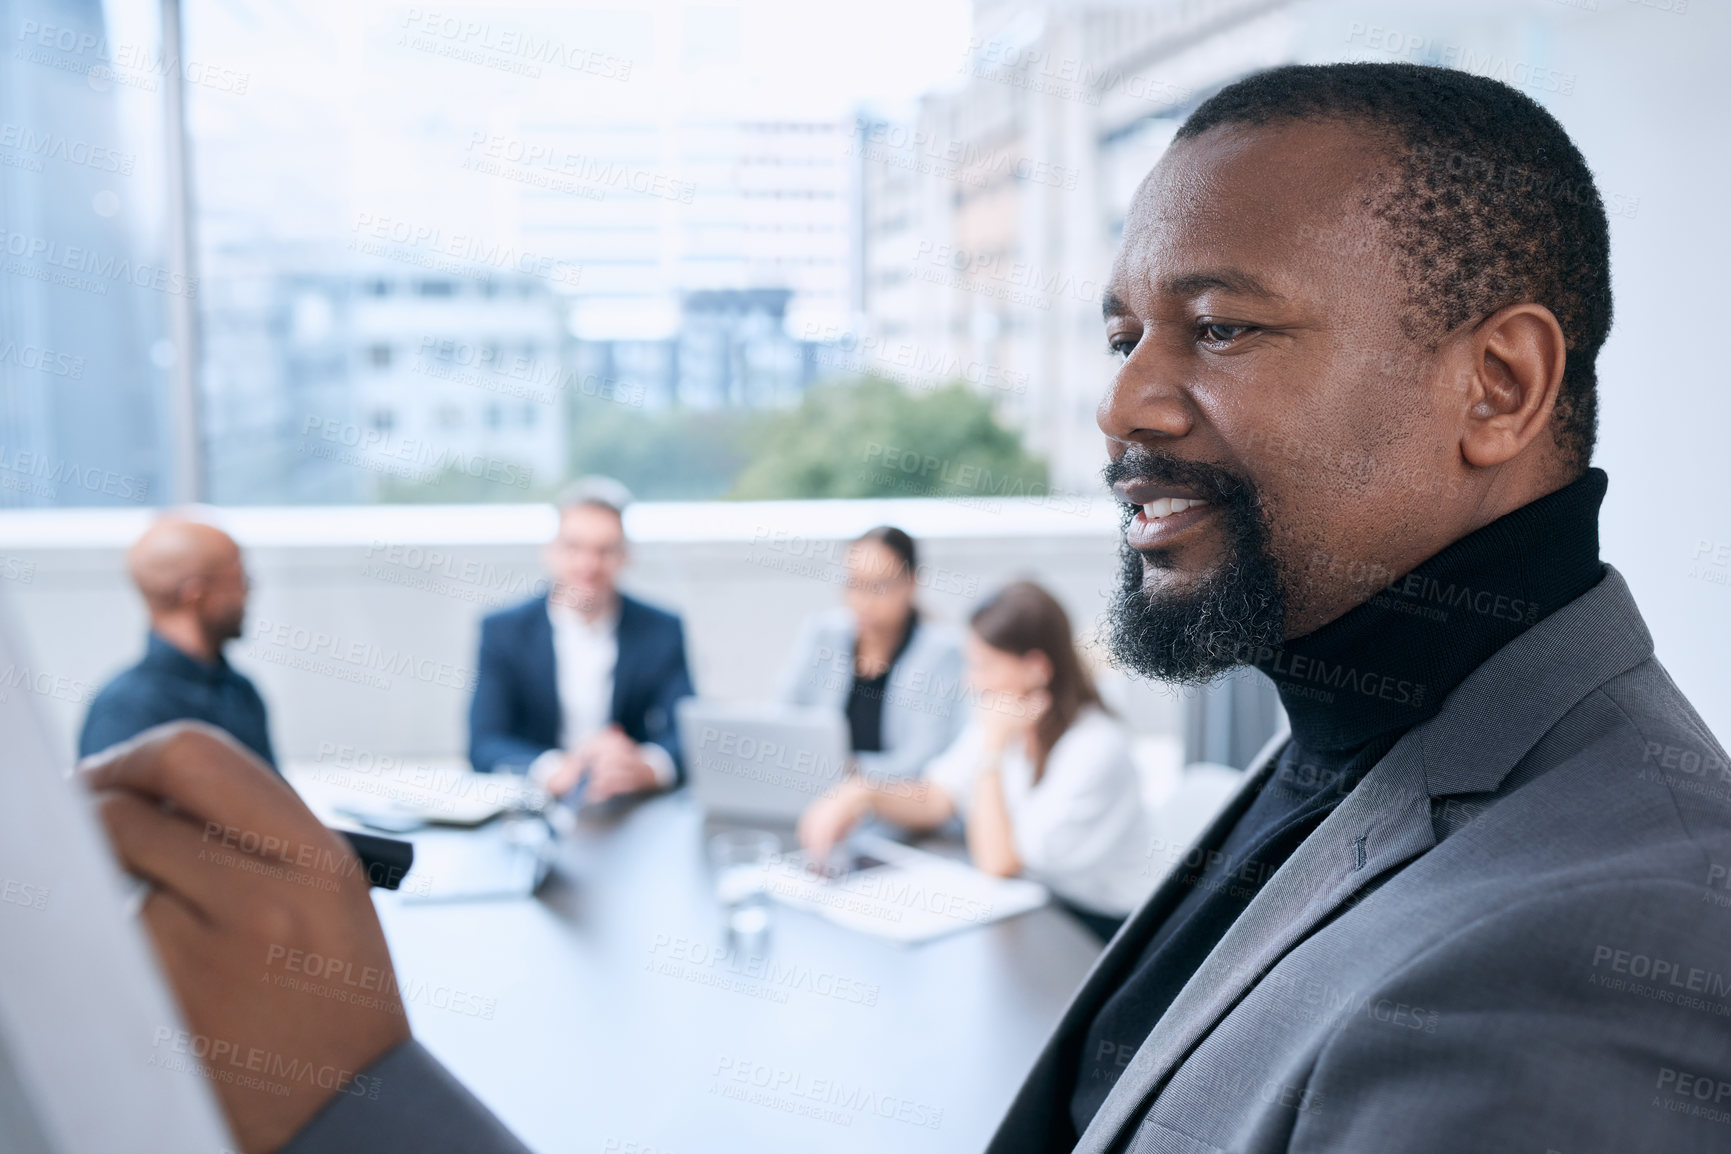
[374, 280]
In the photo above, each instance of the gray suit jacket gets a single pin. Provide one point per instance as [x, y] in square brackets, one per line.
[924, 707]
[1514, 935]
[405, 1101]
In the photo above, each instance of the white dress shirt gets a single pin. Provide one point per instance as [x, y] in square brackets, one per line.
[585, 654]
[1082, 830]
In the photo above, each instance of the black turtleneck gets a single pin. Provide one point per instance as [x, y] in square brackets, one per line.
[1350, 689]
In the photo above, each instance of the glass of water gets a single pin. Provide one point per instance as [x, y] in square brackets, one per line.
[742, 858]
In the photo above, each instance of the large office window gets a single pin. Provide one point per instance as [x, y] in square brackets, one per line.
[465, 255]
[88, 278]
[349, 251]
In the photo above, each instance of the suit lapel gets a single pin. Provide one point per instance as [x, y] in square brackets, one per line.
[623, 668]
[840, 686]
[1490, 721]
[1039, 1096]
[540, 664]
[1127, 944]
[1390, 809]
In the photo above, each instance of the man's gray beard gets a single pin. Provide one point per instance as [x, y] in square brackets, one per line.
[1225, 620]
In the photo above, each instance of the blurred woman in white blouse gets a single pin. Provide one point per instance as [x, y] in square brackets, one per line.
[1042, 775]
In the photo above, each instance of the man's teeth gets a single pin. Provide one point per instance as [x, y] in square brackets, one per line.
[1166, 506]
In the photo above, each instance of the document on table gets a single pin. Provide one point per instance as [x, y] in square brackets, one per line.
[405, 796]
[898, 892]
[448, 812]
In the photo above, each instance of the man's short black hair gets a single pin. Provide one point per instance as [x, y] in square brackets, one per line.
[1489, 203]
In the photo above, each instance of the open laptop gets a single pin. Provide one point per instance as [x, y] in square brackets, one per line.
[761, 761]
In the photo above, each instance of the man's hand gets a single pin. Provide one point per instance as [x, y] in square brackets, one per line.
[249, 887]
[615, 765]
[565, 776]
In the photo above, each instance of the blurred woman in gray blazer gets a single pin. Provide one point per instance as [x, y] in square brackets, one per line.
[895, 675]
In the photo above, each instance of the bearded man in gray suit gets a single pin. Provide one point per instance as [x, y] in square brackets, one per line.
[1476, 900]
[1467, 903]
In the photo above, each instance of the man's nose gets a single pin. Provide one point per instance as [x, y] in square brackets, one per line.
[1146, 399]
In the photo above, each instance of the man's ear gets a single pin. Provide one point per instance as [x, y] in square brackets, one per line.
[1513, 369]
[191, 591]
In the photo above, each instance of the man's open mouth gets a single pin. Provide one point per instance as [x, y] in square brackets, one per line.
[1162, 513]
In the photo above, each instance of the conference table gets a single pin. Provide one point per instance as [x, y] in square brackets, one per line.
[612, 1011]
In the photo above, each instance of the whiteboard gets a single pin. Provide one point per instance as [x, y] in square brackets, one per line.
[84, 1011]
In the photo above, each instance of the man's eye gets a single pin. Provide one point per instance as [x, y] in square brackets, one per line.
[1121, 346]
[1221, 334]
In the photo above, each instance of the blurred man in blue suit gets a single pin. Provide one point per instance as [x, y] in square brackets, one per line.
[578, 686]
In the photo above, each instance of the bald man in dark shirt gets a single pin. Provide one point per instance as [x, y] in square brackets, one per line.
[194, 586]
